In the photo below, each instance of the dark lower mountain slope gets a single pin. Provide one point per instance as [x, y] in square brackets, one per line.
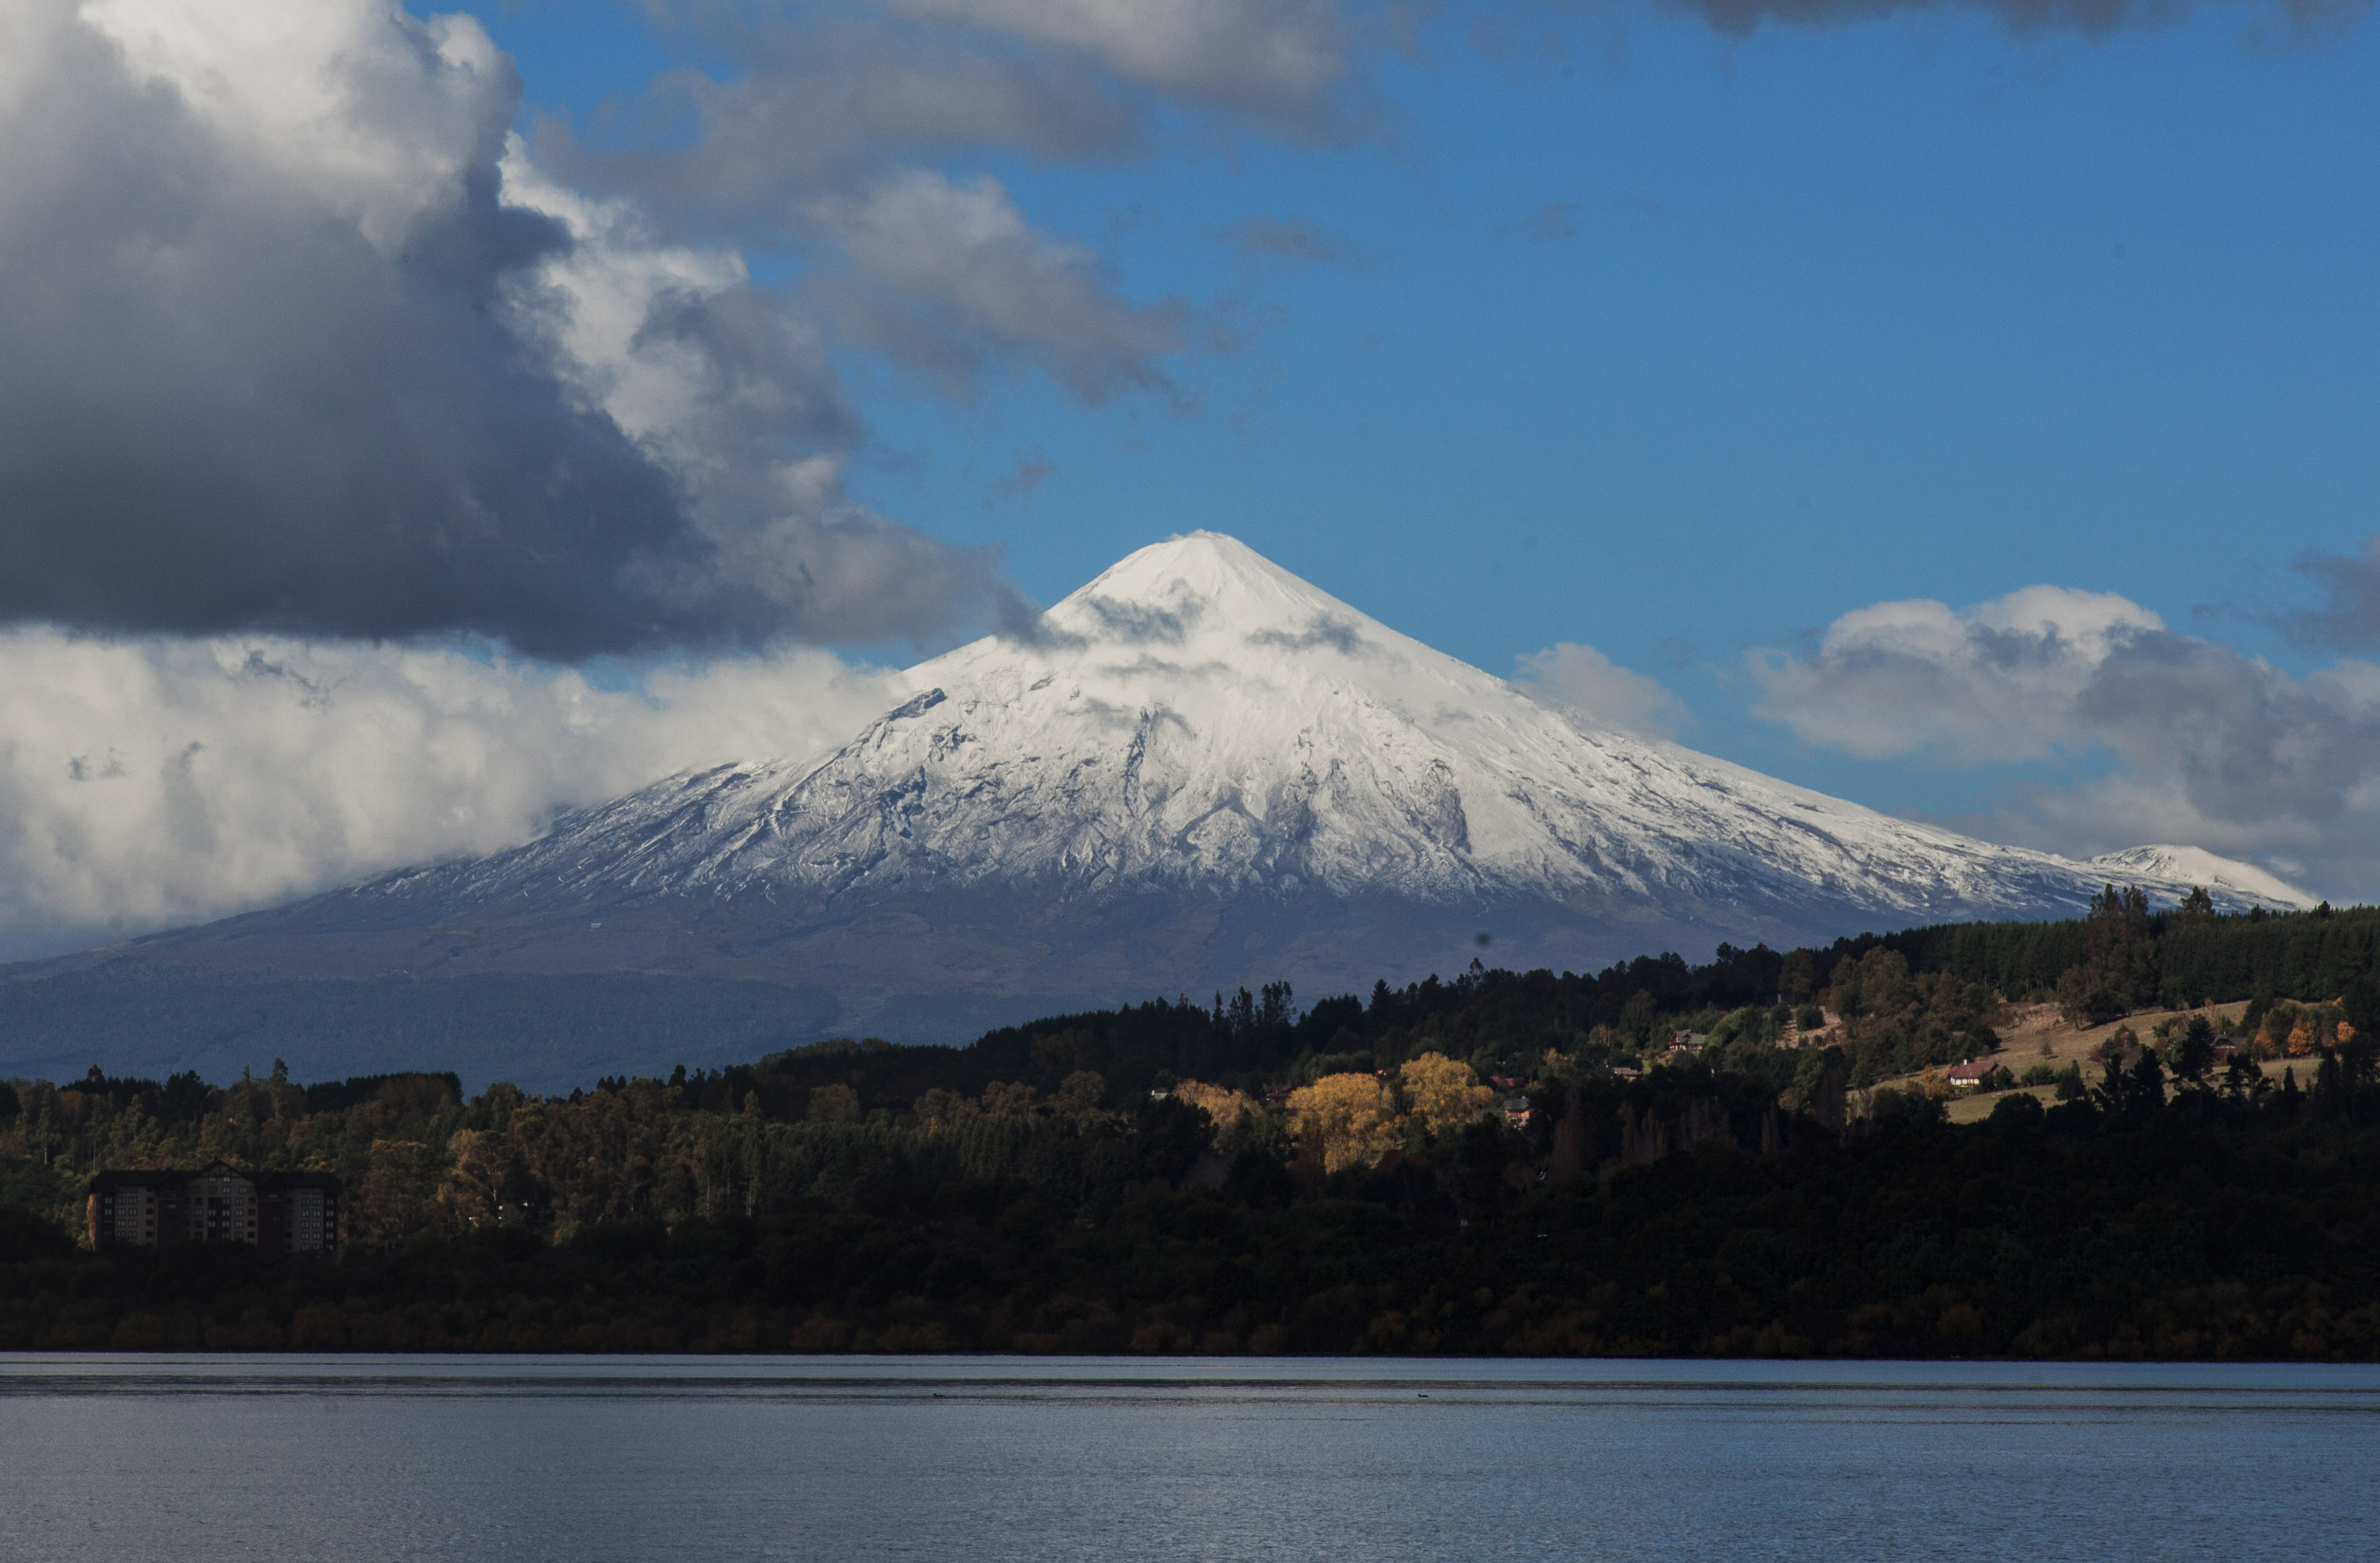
[543, 1033]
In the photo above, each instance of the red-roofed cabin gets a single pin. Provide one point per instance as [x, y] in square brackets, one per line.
[1975, 1072]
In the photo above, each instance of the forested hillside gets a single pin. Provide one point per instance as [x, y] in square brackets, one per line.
[1460, 1165]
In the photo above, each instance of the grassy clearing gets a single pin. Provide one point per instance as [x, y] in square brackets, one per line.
[2035, 1034]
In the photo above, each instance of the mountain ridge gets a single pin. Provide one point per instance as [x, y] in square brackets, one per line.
[1202, 772]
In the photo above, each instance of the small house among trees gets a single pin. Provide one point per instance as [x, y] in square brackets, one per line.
[1978, 1074]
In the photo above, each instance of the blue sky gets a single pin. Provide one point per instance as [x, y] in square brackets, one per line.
[1678, 343]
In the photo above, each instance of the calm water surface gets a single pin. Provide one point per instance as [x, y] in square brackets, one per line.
[134, 1458]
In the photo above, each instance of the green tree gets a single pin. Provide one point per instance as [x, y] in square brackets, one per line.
[2193, 1051]
[834, 1104]
[395, 1201]
[2118, 972]
[2130, 1097]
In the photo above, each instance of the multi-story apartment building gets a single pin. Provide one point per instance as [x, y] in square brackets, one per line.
[291, 1212]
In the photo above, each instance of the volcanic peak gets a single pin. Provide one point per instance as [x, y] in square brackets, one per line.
[1204, 771]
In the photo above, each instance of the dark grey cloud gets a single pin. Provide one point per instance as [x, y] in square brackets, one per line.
[2243, 741]
[819, 133]
[947, 279]
[1279, 64]
[1324, 629]
[252, 385]
[1033, 469]
[1145, 666]
[2349, 618]
[822, 100]
[2091, 17]
[1138, 623]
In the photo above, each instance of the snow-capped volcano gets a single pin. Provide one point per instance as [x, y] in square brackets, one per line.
[1204, 771]
[1199, 720]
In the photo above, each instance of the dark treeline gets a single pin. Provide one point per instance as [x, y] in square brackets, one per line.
[2220, 1223]
[2126, 957]
[1242, 1175]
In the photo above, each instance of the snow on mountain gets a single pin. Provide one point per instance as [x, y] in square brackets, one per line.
[1198, 718]
[1205, 771]
[2197, 865]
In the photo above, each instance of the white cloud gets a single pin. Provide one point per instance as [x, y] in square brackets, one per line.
[1591, 684]
[151, 782]
[2000, 680]
[376, 115]
[2215, 748]
[633, 322]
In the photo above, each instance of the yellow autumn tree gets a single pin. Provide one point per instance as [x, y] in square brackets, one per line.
[1226, 1106]
[1346, 1117]
[2301, 1040]
[1443, 1092]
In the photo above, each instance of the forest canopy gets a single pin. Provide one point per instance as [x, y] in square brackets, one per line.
[1659, 1157]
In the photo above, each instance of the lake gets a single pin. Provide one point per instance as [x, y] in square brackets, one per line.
[120, 1458]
